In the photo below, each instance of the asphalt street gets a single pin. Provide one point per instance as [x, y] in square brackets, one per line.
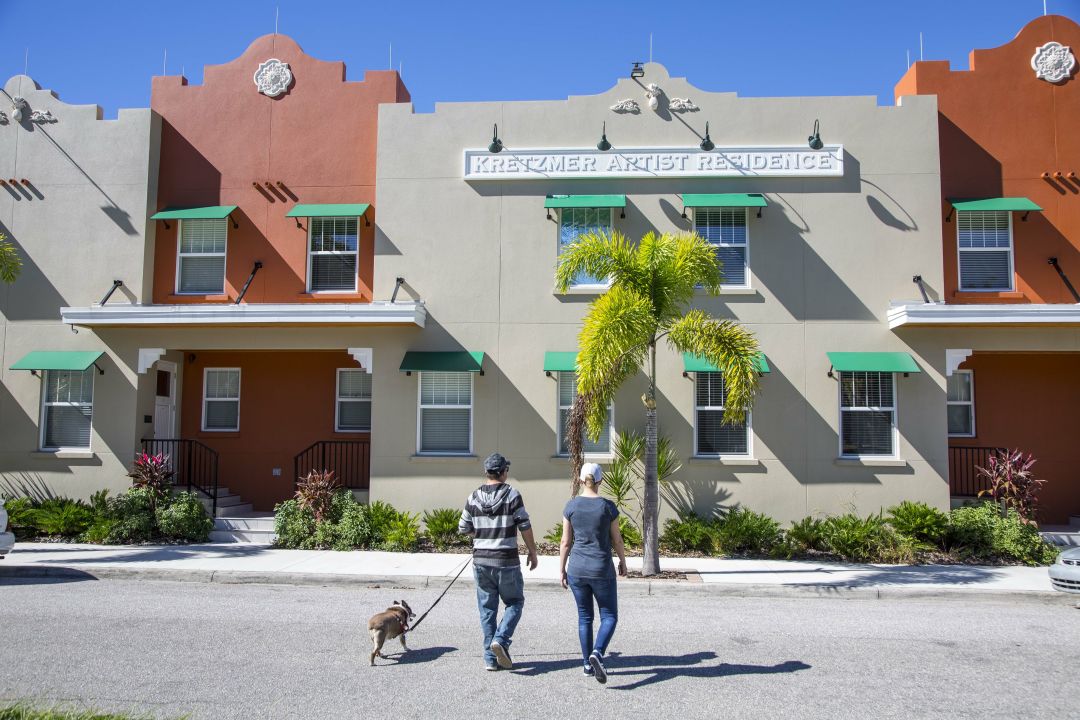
[267, 651]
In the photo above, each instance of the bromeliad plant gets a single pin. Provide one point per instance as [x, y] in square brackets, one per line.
[652, 285]
[315, 491]
[1012, 483]
[153, 473]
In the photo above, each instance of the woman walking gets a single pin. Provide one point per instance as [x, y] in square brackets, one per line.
[590, 530]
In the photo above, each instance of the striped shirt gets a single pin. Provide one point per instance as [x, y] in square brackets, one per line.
[493, 515]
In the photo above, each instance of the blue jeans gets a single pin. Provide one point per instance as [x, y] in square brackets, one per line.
[494, 584]
[604, 591]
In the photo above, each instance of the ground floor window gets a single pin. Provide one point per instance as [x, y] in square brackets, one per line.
[67, 409]
[567, 393]
[867, 414]
[712, 438]
[353, 400]
[444, 425]
[960, 402]
[221, 399]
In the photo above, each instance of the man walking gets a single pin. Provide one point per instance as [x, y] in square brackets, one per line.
[493, 515]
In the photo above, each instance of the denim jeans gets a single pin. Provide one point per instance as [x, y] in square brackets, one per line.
[494, 584]
[606, 594]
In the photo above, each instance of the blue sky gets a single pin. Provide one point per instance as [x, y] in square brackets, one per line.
[106, 52]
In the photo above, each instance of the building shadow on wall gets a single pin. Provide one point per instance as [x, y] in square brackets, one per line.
[32, 296]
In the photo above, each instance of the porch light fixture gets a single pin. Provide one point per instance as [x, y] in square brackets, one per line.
[637, 71]
[814, 141]
[603, 145]
[496, 144]
[707, 143]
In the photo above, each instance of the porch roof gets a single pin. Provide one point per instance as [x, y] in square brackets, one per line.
[257, 314]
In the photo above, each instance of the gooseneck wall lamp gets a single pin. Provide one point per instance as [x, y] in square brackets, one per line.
[814, 141]
[603, 145]
[496, 144]
[706, 142]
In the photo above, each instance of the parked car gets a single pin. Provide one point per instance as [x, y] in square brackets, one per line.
[1065, 573]
[7, 540]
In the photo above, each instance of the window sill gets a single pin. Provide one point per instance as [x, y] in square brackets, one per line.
[982, 296]
[63, 454]
[727, 461]
[869, 462]
[433, 458]
[585, 290]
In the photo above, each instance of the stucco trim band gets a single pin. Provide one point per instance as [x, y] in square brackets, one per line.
[941, 314]
[376, 313]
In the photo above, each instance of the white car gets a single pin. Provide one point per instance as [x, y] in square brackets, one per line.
[7, 540]
[1065, 572]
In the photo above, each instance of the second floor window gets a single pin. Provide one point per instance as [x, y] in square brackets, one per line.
[575, 222]
[984, 240]
[725, 228]
[200, 263]
[567, 393]
[332, 254]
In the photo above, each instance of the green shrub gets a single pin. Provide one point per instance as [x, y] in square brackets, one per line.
[745, 531]
[354, 529]
[185, 518]
[62, 516]
[441, 526]
[554, 535]
[980, 532]
[21, 517]
[689, 533]
[381, 516]
[630, 534]
[403, 533]
[99, 531]
[807, 534]
[920, 522]
[132, 514]
[868, 539]
[294, 525]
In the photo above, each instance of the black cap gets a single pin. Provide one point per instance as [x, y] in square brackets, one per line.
[495, 464]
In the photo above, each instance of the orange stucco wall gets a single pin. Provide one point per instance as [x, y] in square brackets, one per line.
[318, 140]
[287, 403]
[1032, 401]
[1001, 128]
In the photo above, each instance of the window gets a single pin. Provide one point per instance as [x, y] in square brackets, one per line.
[726, 229]
[575, 222]
[711, 436]
[960, 403]
[867, 414]
[221, 399]
[353, 401]
[984, 239]
[67, 409]
[445, 425]
[567, 393]
[201, 257]
[332, 254]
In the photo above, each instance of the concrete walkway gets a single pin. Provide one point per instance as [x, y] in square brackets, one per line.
[263, 564]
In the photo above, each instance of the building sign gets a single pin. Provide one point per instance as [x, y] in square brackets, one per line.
[792, 161]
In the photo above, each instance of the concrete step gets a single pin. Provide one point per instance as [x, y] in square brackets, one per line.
[183, 488]
[229, 500]
[241, 508]
[1062, 536]
[251, 537]
[255, 521]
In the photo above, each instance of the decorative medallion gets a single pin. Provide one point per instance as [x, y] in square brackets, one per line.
[41, 117]
[652, 94]
[628, 105]
[273, 77]
[682, 105]
[18, 104]
[1053, 62]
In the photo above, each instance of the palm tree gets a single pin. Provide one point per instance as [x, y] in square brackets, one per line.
[652, 285]
[10, 263]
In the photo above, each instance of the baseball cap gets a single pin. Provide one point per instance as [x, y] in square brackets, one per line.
[495, 463]
[591, 469]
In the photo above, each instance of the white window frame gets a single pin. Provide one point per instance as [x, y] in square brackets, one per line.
[559, 407]
[45, 405]
[713, 408]
[239, 388]
[224, 263]
[970, 403]
[420, 407]
[338, 400]
[745, 245]
[583, 287]
[1011, 251]
[894, 410]
[355, 254]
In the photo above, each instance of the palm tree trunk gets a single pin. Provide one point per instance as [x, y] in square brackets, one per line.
[651, 505]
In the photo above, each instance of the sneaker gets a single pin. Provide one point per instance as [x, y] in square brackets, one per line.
[587, 671]
[501, 656]
[491, 667]
[598, 668]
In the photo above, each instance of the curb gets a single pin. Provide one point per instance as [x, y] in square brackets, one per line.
[636, 588]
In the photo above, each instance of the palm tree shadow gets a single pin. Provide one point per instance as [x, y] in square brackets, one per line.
[419, 655]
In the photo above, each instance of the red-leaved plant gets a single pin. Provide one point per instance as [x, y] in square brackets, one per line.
[1012, 483]
[316, 492]
[153, 473]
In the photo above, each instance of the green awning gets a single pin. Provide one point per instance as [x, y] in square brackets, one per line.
[873, 362]
[585, 201]
[1020, 204]
[58, 360]
[455, 361]
[725, 200]
[216, 212]
[697, 363]
[338, 210]
[560, 362]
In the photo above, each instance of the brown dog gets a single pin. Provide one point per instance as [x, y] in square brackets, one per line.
[389, 624]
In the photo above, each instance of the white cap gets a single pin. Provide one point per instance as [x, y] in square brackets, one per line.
[591, 469]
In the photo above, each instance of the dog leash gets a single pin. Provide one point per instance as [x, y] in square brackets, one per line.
[421, 619]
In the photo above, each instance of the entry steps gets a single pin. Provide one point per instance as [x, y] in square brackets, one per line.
[1063, 535]
[235, 521]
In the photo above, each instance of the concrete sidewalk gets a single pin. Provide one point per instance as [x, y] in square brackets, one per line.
[263, 564]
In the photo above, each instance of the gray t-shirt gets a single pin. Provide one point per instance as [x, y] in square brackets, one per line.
[590, 555]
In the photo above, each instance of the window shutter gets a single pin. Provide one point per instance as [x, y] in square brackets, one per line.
[333, 272]
[444, 430]
[67, 426]
[202, 274]
[867, 432]
[985, 270]
[222, 414]
[983, 229]
[354, 415]
[445, 388]
[715, 438]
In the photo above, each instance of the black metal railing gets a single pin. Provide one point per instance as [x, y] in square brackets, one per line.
[349, 459]
[194, 465]
[964, 478]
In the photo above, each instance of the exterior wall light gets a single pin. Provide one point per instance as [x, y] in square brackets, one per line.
[603, 145]
[637, 71]
[707, 143]
[814, 141]
[496, 144]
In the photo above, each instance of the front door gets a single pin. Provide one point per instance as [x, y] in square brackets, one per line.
[165, 401]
